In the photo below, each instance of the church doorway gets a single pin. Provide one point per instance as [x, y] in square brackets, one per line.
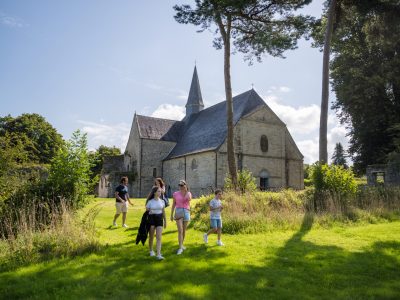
[264, 180]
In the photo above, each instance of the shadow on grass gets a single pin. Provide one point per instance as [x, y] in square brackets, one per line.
[300, 269]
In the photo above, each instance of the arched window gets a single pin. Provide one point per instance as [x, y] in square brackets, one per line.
[264, 180]
[194, 164]
[264, 143]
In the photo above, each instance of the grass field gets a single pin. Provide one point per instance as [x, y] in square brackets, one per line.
[343, 262]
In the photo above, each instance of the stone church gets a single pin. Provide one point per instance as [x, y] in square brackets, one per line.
[194, 149]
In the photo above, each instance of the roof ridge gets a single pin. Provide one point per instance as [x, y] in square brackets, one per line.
[150, 117]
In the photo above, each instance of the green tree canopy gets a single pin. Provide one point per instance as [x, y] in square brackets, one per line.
[365, 73]
[41, 140]
[69, 174]
[97, 157]
[339, 157]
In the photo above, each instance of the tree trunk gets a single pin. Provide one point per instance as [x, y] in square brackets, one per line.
[323, 125]
[226, 36]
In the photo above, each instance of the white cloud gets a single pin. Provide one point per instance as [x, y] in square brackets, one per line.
[284, 89]
[303, 124]
[280, 89]
[300, 120]
[169, 111]
[12, 22]
[106, 134]
[310, 147]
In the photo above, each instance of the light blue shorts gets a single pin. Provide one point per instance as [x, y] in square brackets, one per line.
[216, 223]
[182, 213]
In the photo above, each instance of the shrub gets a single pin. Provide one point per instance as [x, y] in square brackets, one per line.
[246, 182]
[70, 170]
[334, 187]
[334, 179]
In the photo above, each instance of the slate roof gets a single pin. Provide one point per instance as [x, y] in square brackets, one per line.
[203, 131]
[207, 130]
[159, 129]
[195, 97]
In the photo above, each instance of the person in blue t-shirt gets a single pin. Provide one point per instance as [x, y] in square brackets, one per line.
[121, 201]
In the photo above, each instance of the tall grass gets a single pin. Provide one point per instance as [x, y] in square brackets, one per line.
[254, 212]
[266, 211]
[40, 231]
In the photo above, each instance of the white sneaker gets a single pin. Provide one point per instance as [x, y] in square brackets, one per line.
[160, 257]
[125, 226]
[115, 224]
[205, 238]
[219, 243]
[152, 253]
[179, 252]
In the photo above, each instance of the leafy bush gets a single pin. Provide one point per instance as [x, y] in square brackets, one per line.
[69, 175]
[334, 179]
[246, 182]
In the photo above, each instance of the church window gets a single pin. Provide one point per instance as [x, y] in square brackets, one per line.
[154, 172]
[264, 143]
[194, 164]
[264, 180]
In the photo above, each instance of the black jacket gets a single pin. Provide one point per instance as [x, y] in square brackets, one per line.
[143, 229]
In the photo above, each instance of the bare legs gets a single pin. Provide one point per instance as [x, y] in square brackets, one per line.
[217, 230]
[158, 231]
[182, 225]
[123, 218]
[115, 218]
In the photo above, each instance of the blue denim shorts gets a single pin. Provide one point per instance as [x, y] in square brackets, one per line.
[182, 213]
[216, 223]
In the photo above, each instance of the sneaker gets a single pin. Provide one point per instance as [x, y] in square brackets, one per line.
[152, 253]
[125, 226]
[115, 224]
[219, 243]
[179, 252]
[160, 257]
[205, 238]
[183, 248]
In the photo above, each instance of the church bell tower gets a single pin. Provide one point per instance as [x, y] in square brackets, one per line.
[195, 101]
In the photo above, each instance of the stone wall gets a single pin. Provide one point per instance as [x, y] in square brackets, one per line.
[198, 170]
[173, 171]
[153, 151]
[283, 162]
[132, 159]
[200, 173]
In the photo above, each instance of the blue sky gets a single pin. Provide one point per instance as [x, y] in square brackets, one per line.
[91, 64]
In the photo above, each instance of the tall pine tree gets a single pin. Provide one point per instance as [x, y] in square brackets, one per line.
[339, 157]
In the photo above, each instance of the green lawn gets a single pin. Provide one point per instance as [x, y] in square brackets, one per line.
[354, 262]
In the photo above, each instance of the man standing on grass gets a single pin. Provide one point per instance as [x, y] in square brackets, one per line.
[121, 201]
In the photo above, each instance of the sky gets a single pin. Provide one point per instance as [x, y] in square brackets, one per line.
[92, 64]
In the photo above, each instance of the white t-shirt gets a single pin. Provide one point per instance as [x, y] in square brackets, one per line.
[215, 214]
[155, 206]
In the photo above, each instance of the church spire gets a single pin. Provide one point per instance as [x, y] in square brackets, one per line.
[195, 101]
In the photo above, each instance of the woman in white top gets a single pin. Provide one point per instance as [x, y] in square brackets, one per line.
[156, 207]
